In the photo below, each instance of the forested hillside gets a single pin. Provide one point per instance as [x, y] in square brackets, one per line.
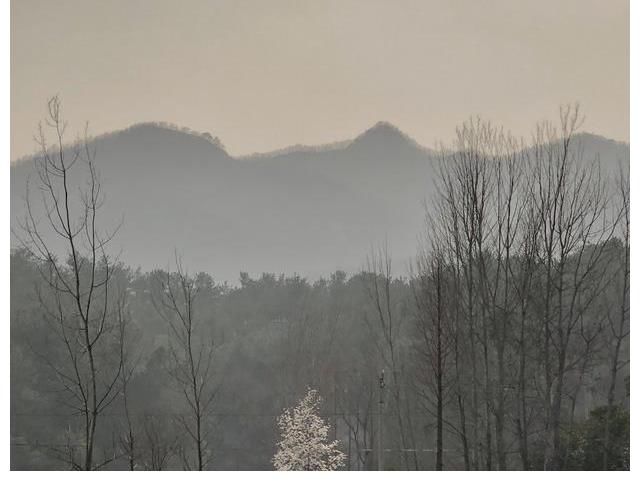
[274, 336]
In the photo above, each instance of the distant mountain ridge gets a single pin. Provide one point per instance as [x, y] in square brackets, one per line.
[381, 127]
[378, 129]
[304, 209]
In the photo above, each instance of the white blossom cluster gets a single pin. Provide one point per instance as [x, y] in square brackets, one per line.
[304, 445]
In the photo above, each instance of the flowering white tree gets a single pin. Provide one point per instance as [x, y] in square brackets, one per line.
[304, 445]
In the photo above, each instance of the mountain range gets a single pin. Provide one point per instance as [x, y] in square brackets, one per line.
[305, 210]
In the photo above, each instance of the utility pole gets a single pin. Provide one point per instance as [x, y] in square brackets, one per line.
[335, 409]
[380, 407]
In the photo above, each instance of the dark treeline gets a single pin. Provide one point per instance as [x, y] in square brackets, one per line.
[506, 347]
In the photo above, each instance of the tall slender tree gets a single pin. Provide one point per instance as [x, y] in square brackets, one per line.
[81, 297]
[192, 357]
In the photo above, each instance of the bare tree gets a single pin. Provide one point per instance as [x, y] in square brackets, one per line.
[467, 177]
[129, 439]
[378, 282]
[156, 449]
[357, 407]
[433, 293]
[522, 273]
[192, 357]
[571, 199]
[80, 296]
[618, 321]
[444, 225]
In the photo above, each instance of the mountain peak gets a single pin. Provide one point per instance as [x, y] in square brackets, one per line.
[383, 129]
[384, 135]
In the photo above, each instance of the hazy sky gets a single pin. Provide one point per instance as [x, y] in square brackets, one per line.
[267, 74]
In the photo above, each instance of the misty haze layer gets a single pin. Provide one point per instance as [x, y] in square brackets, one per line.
[304, 210]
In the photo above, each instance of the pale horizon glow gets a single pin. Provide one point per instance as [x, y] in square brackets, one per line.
[263, 76]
